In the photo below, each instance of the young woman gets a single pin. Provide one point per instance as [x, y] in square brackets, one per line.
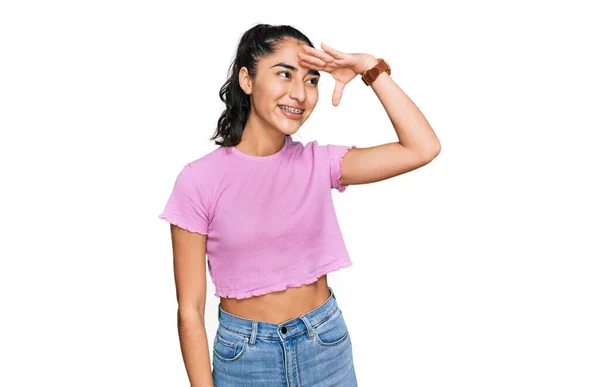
[260, 207]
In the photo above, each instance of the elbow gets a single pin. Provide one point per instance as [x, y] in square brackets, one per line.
[190, 313]
[432, 152]
[437, 149]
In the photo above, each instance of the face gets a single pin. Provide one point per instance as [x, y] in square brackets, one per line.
[280, 85]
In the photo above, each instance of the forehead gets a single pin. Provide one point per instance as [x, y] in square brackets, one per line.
[287, 48]
[286, 53]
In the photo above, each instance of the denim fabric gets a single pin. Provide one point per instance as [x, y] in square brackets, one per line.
[312, 350]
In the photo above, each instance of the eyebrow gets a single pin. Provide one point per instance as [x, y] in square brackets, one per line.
[287, 66]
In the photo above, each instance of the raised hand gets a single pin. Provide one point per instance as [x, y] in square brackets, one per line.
[342, 67]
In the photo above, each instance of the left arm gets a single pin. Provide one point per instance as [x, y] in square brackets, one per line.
[417, 144]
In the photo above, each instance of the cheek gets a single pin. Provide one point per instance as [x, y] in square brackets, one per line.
[313, 97]
[268, 96]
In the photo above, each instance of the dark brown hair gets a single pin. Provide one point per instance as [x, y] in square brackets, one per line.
[258, 42]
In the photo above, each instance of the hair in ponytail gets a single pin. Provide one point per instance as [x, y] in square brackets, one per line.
[258, 42]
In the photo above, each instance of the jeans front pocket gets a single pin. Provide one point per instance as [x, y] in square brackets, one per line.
[229, 345]
[332, 331]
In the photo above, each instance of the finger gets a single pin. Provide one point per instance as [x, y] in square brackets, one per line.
[337, 93]
[316, 62]
[319, 54]
[310, 66]
[313, 67]
[334, 53]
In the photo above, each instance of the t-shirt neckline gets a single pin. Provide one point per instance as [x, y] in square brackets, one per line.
[269, 157]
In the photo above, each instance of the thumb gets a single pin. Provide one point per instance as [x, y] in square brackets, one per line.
[337, 93]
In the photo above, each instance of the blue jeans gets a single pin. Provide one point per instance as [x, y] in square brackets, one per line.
[312, 350]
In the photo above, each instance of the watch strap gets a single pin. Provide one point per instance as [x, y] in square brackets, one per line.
[371, 74]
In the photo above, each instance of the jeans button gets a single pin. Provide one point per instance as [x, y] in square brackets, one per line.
[283, 329]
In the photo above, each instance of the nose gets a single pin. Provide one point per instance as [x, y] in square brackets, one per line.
[297, 90]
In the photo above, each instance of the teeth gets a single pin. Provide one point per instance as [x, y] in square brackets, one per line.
[290, 109]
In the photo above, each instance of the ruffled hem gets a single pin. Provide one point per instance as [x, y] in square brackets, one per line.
[292, 284]
[185, 226]
[342, 188]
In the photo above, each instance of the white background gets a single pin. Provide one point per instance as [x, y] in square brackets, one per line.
[479, 269]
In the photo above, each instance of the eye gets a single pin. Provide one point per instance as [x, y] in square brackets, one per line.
[314, 81]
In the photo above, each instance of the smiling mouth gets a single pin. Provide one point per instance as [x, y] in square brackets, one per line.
[290, 110]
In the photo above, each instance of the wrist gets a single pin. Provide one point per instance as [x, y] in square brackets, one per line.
[370, 63]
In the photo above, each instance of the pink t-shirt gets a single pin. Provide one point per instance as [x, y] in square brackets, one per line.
[270, 221]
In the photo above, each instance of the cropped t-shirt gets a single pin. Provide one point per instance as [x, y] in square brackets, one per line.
[270, 221]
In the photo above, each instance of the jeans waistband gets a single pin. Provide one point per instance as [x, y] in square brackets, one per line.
[284, 330]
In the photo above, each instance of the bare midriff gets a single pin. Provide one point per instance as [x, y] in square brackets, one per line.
[281, 306]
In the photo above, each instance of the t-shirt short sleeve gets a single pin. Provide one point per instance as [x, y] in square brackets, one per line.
[334, 155]
[187, 206]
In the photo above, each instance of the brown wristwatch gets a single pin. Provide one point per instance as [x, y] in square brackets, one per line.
[371, 74]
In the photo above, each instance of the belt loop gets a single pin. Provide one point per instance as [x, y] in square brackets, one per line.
[254, 332]
[309, 328]
[331, 290]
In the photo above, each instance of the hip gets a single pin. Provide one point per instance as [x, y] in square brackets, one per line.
[313, 349]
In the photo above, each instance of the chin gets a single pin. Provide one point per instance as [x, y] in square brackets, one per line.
[289, 127]
[288, 131]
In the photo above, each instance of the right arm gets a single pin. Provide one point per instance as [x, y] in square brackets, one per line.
[189, 252]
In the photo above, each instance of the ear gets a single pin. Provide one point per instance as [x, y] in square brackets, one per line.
[245, 81]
